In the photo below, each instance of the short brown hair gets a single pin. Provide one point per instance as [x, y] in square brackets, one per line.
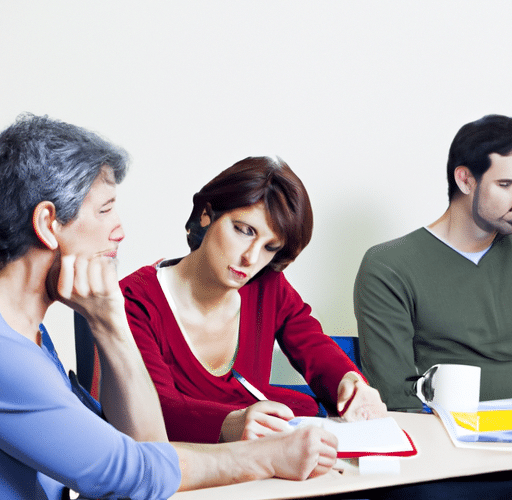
[248, 182]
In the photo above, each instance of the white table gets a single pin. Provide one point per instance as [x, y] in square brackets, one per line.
[437, 458]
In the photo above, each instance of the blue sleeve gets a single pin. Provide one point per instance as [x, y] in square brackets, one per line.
[46, 427]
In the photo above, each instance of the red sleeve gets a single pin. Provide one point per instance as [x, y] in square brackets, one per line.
[313, 353]
[186, 418]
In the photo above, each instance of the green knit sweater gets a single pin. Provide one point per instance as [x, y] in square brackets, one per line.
[418, 303]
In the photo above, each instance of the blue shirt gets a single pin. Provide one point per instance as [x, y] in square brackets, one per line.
[49, 438]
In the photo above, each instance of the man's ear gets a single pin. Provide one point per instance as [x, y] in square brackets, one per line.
[44, 222]
[465, 179]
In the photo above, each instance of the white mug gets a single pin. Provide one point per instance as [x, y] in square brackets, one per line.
[453, 387]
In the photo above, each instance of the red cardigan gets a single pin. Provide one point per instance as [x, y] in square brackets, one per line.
[195, 402]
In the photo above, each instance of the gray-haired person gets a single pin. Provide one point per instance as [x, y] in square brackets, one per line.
[59, 234]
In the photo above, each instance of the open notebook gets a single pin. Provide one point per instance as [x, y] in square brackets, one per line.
[380, 436]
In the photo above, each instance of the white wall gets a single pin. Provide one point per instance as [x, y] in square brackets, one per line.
[361, 98]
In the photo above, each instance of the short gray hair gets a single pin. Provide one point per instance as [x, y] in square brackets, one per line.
[47, 160]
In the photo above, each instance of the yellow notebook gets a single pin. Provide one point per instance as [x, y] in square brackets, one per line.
[485, 421]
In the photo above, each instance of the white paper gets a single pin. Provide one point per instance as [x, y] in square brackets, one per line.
[378, 435]
[379, 465]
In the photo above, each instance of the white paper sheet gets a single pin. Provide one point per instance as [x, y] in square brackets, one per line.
[379, 435]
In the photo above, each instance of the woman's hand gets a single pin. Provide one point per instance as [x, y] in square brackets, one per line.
[306, 452]
[260, 419]
[90, 287]
[357, 400]
[127, 394]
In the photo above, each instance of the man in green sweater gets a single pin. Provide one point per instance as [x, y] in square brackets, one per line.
[443, 293]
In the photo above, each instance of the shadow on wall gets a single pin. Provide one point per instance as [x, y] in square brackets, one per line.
[324, 274]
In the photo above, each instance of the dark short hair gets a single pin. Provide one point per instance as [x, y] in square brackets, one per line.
[248, 182]
[47, 160]
[473, 144]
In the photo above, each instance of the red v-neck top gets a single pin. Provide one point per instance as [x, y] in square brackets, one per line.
[195, 402]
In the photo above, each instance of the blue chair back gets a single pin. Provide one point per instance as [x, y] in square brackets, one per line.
[84, 348]
[350, 345]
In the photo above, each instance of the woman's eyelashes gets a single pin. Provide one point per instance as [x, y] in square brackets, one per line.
[244, 229]
[250, 231]
[272, 249]
[106, 207]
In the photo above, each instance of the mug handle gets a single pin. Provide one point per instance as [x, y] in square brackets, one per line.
[424, 388]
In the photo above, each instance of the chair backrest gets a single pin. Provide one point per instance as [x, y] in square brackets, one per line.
[350, 345]
[87, 360]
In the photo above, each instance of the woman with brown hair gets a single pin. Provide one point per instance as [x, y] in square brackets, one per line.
[210, 319]
[59, 235]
